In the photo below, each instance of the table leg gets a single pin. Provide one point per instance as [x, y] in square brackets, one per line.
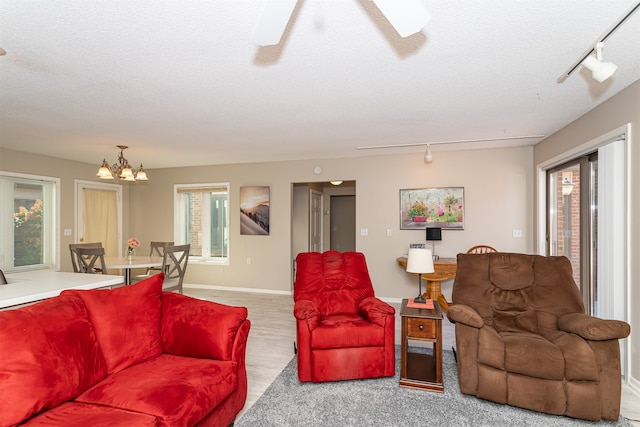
[127, 276]
[434, 292]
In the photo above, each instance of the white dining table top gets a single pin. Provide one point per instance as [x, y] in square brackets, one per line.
[35, 285]
[139, 261]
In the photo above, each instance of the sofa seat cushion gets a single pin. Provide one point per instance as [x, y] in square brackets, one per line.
[48, 354]
[73, 414]
[178, 391]
[343, 331]
[126, 321]
[532, 355]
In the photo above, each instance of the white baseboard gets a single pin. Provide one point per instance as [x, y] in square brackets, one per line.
[634, 385]
[234, 289]
[265, 291]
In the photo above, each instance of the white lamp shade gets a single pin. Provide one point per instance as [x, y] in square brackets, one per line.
[600, 71]
[420, 260]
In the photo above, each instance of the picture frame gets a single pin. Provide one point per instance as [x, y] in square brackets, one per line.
[254, 210]
[422, 208]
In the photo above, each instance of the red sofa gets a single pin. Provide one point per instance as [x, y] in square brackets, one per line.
[132, 356]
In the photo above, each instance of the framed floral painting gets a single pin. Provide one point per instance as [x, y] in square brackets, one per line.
[422, 208]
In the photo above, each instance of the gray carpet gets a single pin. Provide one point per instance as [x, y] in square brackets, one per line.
[381, 402]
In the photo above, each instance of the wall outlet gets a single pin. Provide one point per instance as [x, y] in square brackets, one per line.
[248, 261]
[364, 231]
[67, 232]
[517, 233]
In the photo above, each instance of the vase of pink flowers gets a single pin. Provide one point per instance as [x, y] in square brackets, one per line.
[132, 244]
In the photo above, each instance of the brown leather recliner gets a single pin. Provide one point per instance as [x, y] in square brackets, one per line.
[523, 339]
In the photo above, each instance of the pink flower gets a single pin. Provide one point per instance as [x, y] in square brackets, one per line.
[133, 243]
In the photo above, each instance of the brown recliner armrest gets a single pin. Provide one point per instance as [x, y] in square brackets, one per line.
[593, 328]
[460, 313]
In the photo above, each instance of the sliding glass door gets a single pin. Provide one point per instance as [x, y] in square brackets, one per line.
[573, 222]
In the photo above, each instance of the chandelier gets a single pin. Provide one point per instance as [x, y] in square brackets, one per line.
[121, 169]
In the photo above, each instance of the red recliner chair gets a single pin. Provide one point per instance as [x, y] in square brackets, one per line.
[343, 331]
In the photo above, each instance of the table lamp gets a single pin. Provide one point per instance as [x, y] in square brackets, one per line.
[420, 261]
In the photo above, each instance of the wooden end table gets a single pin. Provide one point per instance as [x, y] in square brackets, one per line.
[421, 370]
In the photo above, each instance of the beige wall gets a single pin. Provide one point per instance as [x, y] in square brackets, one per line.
[618, 111]
[498, 187]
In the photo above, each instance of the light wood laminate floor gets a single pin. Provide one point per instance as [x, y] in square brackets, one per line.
[273, 331]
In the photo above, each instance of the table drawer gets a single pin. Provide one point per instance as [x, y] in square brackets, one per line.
[421, 328]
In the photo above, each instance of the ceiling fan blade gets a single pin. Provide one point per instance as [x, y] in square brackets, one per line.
[406, 16]
[273, 22]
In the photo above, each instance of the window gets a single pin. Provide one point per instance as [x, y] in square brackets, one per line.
[27, 221]
[202, 220]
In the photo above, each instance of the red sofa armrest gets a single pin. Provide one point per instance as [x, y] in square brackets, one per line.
[375, 310]
[196, 328]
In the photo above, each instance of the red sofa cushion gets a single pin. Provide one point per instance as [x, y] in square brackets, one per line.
[213, 325]
[179, 391]
[126, 321]
[39, 364]
[72, 414]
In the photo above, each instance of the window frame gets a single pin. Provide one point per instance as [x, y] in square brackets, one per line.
[51, 223]
[180, 221]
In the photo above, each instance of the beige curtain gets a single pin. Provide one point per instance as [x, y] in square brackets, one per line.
[101, 219]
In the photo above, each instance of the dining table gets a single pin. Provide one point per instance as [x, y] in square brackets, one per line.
[127, 264]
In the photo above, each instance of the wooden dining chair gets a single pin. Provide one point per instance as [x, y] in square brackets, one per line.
[156, 249]
[174, 265]
[481, 249]
[87, 259]
[74, 254]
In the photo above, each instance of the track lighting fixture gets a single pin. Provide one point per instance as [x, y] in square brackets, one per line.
[600, 71]
[427, 156]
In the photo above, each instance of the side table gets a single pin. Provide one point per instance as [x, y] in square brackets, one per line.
[421, 370]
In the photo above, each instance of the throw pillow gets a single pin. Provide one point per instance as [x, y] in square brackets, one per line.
[126, 321]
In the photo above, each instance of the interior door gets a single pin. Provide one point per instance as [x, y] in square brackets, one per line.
[99, 215]
[315, 221]
[343, 223]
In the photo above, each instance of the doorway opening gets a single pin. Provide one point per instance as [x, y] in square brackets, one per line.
[323, 217]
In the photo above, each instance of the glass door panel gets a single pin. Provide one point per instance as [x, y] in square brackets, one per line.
[573, 211]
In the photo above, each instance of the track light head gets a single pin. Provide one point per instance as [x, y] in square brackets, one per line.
[600, 71]
[428, 158]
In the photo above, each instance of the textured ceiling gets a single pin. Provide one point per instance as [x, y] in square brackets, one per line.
[181, 83]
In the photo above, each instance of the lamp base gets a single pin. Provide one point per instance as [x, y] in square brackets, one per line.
[419, 299]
